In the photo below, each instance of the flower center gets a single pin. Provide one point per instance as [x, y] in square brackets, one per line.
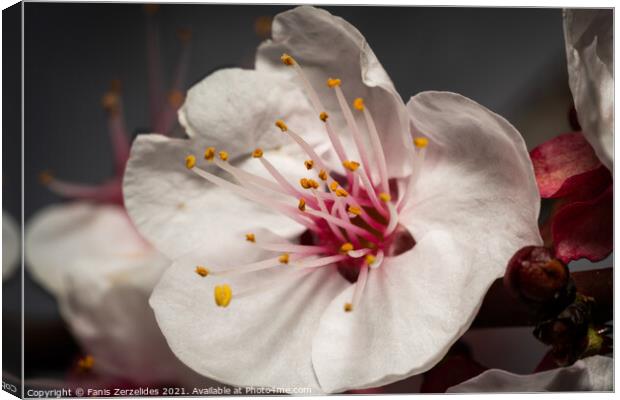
[351, 215]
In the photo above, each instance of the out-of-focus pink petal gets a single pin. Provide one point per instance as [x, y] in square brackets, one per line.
[109, 192]
[559, 162]
[584, 229]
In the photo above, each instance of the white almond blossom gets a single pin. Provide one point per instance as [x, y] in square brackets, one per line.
[332, 237]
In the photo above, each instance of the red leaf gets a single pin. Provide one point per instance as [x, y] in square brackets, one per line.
[559, 162]
[584, 229]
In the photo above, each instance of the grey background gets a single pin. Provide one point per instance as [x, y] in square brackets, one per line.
[510, 60]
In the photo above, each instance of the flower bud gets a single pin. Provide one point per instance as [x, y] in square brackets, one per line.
[534, 275]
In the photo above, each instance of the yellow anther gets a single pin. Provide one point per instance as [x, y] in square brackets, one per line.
[340, 192]
[354, 210]
[302, 204]
[346, 247]
[323, 116]
[223, 155]
[175, 98]
[333, 82]
[348, 307]
[287, 59]
[250, 237]
[358, 104]
[370, 259]
[283, 259]
[46, 177]
[202, 271]
[385, 197]
[351, 165]
[333, 186]
[257, 153]
[420, 142]
[280, 124]
[190, 161]
[323, 175]
[223, 295]
[309, 164]
[308, 183]
[210, 153]
[86, 363]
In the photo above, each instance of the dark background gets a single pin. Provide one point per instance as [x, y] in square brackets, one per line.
[510, 60]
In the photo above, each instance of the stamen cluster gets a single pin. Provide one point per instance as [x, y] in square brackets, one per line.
[352, 216]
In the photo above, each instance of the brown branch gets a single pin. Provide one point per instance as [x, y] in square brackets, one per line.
[500, 308]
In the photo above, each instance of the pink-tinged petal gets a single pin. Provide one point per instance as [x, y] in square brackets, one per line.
[327, 46]
[584, 229]
[477, 180]
[563, 164]
[589, 52]
[175, 209]
[264, 336]
[414, 307]
[235, 110]
[10, 245]
[590, 374]
[106, 308]
[59, 234]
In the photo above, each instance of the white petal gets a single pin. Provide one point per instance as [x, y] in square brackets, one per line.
[10, 245]
[589, 40]
[328, 46]
[413, 308]
[106, 307]
[477, 181]
[60, 234]
[262, 339]
[590, 374]
[235, 110]
[176, 210]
